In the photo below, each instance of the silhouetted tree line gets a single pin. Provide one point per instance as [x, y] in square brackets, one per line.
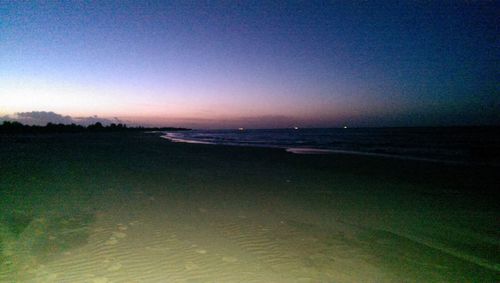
[14, 127]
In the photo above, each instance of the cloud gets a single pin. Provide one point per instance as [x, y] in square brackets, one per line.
[44, 117]
[38, 118]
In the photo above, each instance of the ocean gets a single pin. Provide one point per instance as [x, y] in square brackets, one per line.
[464, 145]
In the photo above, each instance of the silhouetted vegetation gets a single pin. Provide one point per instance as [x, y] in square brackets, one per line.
[13, 127]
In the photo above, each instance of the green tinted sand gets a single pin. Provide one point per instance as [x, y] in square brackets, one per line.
[136, 208]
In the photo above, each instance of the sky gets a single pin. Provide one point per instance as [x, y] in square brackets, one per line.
[255, 64]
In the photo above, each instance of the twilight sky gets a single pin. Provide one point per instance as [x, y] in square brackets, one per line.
[221, 64]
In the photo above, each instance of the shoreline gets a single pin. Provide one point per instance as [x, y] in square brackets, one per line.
[322, 151]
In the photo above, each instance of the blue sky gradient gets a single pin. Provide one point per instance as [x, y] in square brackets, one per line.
[253, 64]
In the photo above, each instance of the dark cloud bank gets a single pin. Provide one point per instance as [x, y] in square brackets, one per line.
[41, 118]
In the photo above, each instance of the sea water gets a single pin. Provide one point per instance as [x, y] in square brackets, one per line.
[469, 145]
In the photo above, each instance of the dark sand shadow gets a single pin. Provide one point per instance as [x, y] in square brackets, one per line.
[26, 241]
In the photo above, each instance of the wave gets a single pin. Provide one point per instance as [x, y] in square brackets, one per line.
[446, 145]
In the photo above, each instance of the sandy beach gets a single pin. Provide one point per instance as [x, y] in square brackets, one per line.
[133, 207]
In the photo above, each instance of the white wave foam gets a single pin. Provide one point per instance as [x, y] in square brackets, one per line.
[175, 139]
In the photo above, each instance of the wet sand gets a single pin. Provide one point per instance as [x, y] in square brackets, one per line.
[137, 208]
